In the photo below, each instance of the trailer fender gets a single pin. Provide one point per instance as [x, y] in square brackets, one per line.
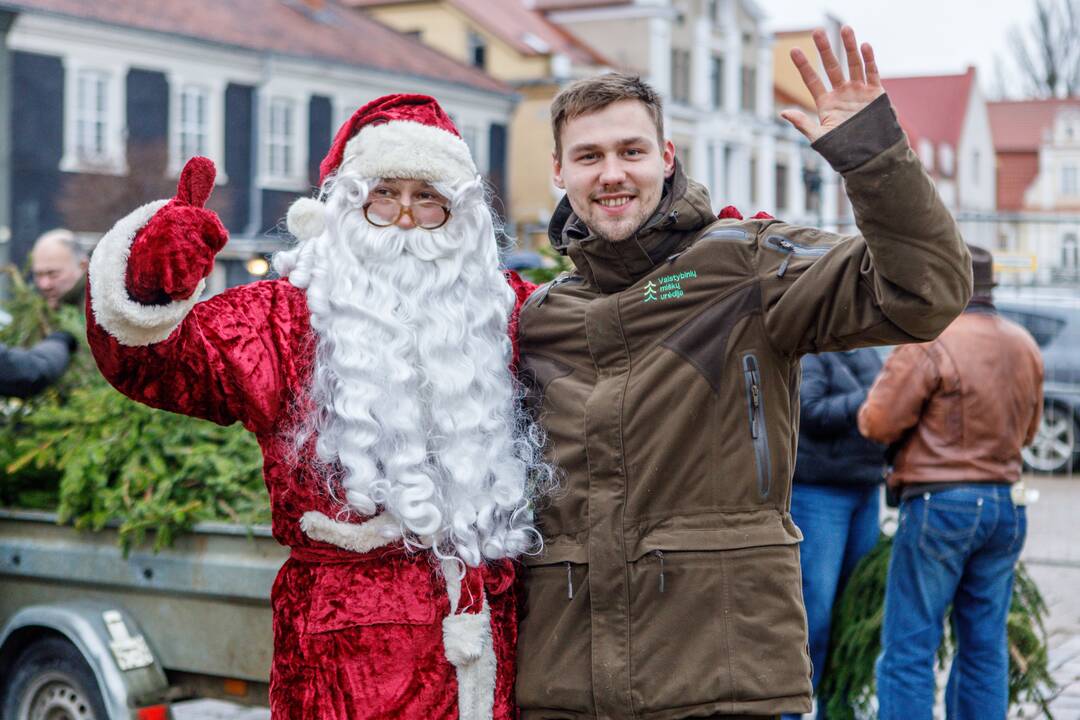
[128, 673]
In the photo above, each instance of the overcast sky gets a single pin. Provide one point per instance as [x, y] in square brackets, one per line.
[918, 37]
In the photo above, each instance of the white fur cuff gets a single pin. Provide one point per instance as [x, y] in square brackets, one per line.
[130, 322]
[362, 537]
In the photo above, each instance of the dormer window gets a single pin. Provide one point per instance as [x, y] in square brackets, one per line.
[477, 50]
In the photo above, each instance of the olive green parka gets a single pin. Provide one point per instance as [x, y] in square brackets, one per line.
[665, 370]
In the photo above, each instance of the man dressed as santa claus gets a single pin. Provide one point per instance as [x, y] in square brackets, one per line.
[376, 376]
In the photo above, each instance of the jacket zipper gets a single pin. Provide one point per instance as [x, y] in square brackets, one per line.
[542, 293]
[660, 556]
[755, 403]
[721, 234]
[784, 245]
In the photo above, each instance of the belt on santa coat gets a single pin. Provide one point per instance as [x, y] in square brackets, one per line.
[467, 638]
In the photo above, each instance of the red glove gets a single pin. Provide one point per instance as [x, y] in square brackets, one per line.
[176, 249]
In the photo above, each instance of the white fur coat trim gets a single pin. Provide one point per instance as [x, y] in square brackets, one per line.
[130, 322]
[469, 647]
[362, 537]
[406, 149]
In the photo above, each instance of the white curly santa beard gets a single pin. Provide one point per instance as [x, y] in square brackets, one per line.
[415, 403]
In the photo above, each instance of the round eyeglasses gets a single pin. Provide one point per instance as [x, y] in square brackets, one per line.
[427, 214]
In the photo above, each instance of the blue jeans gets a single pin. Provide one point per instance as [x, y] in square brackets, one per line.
[957, 546]
[839, 525]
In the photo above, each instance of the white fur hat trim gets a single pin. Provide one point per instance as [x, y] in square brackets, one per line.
[406, 149]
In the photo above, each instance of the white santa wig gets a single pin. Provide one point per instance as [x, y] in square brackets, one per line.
[416, 410]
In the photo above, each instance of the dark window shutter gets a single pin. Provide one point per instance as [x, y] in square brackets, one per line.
[497, 171]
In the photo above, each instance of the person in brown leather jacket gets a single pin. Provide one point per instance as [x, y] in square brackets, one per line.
[960, 408]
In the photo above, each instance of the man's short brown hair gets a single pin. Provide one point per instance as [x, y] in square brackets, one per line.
[593, 94]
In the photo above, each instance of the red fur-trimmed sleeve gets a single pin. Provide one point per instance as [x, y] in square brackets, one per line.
[232, 358]
[522, 289]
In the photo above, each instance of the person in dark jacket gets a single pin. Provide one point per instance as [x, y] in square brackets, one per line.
[835, 496]
[26, 372]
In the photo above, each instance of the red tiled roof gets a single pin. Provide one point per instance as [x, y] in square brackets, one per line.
[932, 107]
[1019, 125]
[550, 5]
[286, 27]
[524, 29]
[1015, 173]
[513, 22]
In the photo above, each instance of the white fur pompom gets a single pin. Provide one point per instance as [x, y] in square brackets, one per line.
[306, 218]
[466, 636]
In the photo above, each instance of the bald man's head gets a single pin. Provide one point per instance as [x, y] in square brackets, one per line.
[58, 264]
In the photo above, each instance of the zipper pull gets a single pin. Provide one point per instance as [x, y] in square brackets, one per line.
[660, 556]
[569, 582]
[755, 402]
[786, 245]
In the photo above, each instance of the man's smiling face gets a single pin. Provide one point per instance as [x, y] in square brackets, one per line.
[613, 167]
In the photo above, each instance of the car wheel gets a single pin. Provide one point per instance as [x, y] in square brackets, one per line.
[52, 680]
[1055, 448]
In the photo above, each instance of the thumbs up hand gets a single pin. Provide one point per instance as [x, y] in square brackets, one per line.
[176, 249]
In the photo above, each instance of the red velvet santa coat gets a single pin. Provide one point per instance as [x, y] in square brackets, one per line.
[356, 634]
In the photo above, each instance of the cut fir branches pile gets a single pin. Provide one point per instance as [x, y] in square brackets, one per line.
[95, 457]
[848, 681]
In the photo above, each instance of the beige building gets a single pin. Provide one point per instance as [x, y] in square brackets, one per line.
[520, 46]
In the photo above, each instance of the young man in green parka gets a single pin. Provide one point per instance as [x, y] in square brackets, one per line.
[665, 368]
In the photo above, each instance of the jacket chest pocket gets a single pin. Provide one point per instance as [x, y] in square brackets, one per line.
[759, 434]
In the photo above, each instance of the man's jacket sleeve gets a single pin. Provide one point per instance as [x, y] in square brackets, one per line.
[903, 279]
[26, 372]
[1037, 410]
[823, 411]
[896, 399]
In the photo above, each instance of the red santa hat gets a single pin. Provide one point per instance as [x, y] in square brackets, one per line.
[394, 136]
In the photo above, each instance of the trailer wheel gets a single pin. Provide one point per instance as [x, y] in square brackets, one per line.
[52, 681]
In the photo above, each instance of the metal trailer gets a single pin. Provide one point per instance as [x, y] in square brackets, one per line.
[92, 635]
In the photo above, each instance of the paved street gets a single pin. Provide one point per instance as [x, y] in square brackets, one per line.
[1052, 554]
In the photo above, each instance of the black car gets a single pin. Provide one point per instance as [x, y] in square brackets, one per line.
[1054, 321]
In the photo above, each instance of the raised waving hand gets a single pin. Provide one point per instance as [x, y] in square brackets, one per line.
[848, 95]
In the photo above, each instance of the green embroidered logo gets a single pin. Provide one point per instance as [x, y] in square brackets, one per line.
[667, 287]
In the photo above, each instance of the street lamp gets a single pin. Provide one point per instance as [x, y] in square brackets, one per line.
[257, 266]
